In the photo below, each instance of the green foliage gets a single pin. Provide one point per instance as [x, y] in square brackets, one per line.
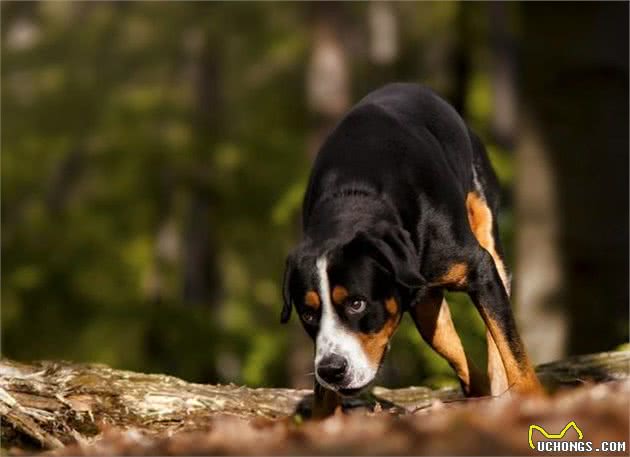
[106, 145]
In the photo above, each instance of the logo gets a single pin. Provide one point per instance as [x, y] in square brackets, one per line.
[573, 446]
[554, 436]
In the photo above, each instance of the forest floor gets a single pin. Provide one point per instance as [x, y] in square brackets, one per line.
[61, 408]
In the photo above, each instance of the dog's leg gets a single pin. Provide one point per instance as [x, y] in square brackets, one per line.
[325, 401]
[491, 299]
[496, 370]
[433, 319]
[484, 226]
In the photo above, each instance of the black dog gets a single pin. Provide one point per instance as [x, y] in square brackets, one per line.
[401, 205]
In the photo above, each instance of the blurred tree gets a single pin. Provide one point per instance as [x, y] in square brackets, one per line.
[502, 47]
[573, 178]
[155, 154]
[202, 281]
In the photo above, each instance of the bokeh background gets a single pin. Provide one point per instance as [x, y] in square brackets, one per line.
[154, 157]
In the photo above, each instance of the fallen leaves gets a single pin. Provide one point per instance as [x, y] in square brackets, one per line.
[491, 426]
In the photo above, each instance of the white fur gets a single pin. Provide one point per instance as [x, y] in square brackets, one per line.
[477, 185]
[333, 338]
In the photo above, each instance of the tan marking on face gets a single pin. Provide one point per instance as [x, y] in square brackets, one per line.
[456, 275]
[311, 299]
[374, 344]
[480, 220]
[391, 306]
[339, 295]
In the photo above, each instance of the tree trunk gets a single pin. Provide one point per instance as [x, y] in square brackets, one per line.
[538, 273]
[574, 94]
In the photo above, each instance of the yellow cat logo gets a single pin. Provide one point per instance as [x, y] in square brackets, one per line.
[555, 436]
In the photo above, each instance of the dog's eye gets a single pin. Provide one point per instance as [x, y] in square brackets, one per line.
[308, 317]
[356, 305]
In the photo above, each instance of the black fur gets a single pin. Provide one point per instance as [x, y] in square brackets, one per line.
[386, 203]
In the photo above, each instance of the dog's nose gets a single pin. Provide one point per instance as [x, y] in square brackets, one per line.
[332, 368]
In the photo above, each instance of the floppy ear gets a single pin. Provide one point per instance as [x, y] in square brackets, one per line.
[392, 248]
[286, 290]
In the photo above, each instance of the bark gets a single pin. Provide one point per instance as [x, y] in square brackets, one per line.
[47, 405]
[483, 427]
[603, 366]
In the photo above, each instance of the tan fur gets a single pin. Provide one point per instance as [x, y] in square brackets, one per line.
[433, 320]
[496, 370]
[391, 306]
[339, 295]
[311, 299]
[456, 275]
[374, 344]
[521, 377]
[480, 220]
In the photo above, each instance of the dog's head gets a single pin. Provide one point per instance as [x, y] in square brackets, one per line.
[350, 296]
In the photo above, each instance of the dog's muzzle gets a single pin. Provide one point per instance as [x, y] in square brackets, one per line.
[332, 369]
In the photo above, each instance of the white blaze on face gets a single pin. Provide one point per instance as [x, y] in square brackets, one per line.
[333, 338]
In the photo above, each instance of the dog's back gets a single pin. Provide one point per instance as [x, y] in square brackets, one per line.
[398, 139]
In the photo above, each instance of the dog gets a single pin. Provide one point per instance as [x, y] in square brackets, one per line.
[401, 206]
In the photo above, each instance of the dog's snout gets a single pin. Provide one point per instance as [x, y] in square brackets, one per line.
[332, 368]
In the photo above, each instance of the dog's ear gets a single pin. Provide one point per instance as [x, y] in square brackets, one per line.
[391, 247]
[289, 270]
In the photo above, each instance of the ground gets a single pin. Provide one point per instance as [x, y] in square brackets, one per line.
[62, 408]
